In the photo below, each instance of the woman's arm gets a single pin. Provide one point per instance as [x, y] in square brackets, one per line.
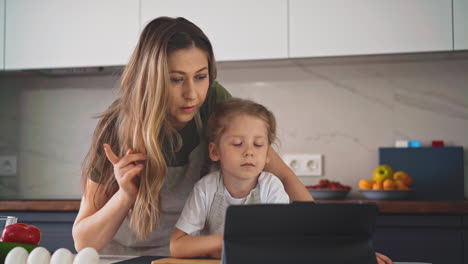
[99, 216]
[96, 226]
[183, 245]
[293, 186]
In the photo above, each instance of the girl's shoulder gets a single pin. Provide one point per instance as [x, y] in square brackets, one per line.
[208, 181]
[272, 189]
[267, 179]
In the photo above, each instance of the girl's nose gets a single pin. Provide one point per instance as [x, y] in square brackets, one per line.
[248, 151]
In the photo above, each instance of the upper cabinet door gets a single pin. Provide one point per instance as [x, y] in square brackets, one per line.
[57, 33]
[238, 30]
[460, 23]
[343, 27]
[2, 33]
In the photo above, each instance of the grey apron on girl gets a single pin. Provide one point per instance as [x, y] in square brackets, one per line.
[218, 208]
[178, 184]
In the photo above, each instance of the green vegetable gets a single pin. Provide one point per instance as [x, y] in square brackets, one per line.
[5, 247]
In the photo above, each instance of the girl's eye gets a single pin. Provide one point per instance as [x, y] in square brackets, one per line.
[201, 76]
[237, 144]
[258, 145]
[177, 80]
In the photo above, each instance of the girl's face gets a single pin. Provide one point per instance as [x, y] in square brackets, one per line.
[189, 78]
[243, 147]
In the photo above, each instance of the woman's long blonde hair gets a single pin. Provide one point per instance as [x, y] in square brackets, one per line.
[138, 118]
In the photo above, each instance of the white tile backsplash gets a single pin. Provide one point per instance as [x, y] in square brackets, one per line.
[342, 108]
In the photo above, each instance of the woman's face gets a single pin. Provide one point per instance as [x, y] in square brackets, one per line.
[189, 78]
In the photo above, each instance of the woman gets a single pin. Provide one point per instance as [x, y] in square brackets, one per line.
[136, 185]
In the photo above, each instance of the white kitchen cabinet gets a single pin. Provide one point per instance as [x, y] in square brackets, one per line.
[238, 30]
[57, 33]
[2, 33]
[460, 24]
[343, 27]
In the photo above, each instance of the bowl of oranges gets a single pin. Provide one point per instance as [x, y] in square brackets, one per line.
[386, 185]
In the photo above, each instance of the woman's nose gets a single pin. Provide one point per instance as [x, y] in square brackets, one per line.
[189, 90]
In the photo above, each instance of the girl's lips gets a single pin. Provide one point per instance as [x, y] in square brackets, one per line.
[188, 109]
[248, 165]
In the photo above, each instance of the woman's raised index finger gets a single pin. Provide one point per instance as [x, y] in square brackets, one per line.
[110, 154]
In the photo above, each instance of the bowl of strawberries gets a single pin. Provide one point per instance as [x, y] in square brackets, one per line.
[328, 190]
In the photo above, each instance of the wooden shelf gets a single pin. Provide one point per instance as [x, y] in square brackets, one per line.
[385, 207]
[40, 205]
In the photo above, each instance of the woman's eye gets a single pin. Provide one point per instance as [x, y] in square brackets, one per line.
[201, 76]
[177, 80]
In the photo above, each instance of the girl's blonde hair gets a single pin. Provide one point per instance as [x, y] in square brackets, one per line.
[138, 118]
[226, 110]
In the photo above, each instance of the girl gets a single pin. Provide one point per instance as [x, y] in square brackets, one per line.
[240, 133]
[147, 150]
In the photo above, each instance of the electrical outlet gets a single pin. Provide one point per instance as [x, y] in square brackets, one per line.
[7, 165]
[305, 164]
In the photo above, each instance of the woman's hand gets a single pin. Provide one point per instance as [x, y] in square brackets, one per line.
[382, 259]
[126, 171]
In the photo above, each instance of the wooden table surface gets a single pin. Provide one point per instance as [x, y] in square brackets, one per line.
[186, 261]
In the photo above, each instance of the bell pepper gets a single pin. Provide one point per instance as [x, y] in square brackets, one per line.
[21, 233]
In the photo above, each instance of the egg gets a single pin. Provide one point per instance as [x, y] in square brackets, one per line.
[87, 256]
[39, 255]
[17, 255]
[62, 256]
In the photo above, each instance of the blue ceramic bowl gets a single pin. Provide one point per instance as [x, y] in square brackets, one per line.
[386, 194]
[325, 194]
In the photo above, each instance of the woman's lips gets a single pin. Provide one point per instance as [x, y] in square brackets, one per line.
[188, 109]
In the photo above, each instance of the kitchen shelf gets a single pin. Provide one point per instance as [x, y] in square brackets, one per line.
[385, 207]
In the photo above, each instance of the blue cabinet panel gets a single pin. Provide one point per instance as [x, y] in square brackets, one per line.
[465, 220]
[465, 247]
[420, 245]
[438, 172]
[419, 221]
[432, 239]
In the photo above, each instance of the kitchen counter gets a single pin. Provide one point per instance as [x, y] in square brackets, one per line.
[109, 259]
[385, 207]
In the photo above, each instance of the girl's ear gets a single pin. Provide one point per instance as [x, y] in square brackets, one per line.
[213, 151]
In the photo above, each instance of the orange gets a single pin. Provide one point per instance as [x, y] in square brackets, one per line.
[377, 186]
[404, 177]
[400, 185]
[365, 184]
[389, 184]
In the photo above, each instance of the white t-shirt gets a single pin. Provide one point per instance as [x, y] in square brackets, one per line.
[195, 212]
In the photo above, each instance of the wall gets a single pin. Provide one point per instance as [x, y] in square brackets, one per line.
[8, 134]
[343, 108]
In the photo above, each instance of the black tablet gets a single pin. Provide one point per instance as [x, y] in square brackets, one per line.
[300, 233]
